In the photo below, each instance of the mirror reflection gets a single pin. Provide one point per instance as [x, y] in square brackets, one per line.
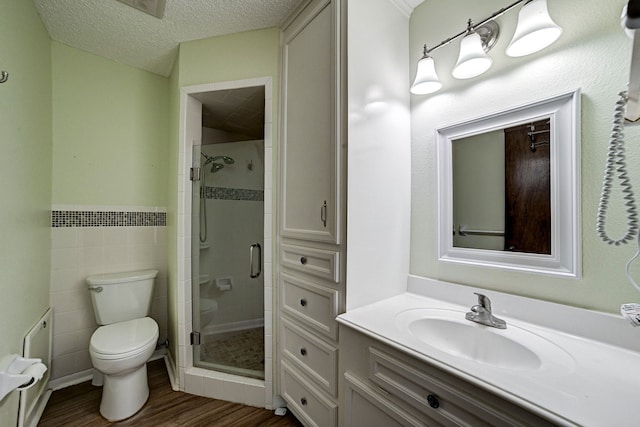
[502, 189]
[509, 188]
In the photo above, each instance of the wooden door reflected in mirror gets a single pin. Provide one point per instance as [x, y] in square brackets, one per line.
[527, 188]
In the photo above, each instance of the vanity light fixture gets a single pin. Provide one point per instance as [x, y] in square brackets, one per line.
[427, 80]
[473, 59]
[535, 31]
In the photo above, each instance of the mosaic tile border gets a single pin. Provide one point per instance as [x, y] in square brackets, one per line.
[107, 219]
[222, 193]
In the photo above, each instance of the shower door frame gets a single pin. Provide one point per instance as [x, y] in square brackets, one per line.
[192, 379]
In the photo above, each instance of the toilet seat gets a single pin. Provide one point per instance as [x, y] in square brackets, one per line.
[124, 339]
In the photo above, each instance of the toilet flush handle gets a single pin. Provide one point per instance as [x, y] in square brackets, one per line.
[96, 288]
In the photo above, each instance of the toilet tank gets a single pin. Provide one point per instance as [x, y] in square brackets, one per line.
[118, 297]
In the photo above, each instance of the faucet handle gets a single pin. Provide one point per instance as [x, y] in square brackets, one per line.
[483, 301]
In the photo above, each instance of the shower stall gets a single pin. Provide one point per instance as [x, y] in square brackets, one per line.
[224, 285]
[228, 295]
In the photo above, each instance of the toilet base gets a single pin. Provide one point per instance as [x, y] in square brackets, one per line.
[124, 395]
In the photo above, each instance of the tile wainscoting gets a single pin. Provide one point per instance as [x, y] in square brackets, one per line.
[88, 240]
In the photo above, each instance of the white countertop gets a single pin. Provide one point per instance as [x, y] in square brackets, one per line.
[598, 387]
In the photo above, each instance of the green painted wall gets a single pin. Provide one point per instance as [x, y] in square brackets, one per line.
[234, 57]
[593, 54]
[110, 131]
[239, 56]
[25, 179]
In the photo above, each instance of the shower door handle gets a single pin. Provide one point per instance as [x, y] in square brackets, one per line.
[252, 250]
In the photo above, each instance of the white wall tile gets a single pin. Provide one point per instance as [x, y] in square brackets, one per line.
[63, 365]
[65, 322]
[63, 344]
[64, 258]
[115, 236]
[79, 252]
[193, 384]
[82, 360]
[91, 236]
[64, 237]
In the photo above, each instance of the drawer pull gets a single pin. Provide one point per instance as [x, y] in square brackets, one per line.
[303, 260]
[433, 401]
[303, 351]
[323, 214]
[303, 302]
[303, 401]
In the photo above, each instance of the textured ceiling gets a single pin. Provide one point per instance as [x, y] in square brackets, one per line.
[237, 111]
[119, 32]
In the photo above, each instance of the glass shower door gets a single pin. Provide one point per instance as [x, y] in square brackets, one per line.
[227, 242]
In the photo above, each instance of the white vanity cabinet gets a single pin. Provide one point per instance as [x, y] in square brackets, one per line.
[311, 231]
[381, 386]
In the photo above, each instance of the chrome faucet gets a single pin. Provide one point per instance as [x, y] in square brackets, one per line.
[481, 313]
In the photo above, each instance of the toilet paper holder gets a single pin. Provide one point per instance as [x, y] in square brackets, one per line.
[19, 373]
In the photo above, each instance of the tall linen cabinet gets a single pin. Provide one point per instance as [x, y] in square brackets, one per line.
[311, 238]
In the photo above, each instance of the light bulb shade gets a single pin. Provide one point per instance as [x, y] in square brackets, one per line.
[535, 31]
[472, 60]
[427, 80]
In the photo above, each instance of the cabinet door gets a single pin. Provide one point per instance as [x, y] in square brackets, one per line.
[310, 136]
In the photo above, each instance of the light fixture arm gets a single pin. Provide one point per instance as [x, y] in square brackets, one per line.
[472, 27]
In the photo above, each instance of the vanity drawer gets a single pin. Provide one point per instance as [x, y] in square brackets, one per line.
[443, 397]
[315, 305]
[317, 262]
[311, 355]
[307, 403]
[365, 406]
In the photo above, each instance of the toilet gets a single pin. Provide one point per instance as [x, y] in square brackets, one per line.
[208, 308]
[122, 345]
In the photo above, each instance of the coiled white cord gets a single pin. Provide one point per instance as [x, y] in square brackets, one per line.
[616, 162]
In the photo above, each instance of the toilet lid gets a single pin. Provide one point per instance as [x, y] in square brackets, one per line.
[124, 337]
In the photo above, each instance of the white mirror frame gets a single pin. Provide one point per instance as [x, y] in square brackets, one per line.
[565, 259]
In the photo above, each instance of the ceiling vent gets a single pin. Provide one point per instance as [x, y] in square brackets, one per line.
[152, 7]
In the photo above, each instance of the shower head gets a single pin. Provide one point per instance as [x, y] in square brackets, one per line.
[226, 159]
[216, 167]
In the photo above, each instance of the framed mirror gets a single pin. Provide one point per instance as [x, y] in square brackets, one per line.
[509, 189]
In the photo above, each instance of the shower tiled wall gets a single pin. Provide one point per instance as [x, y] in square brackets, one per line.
[88, 240]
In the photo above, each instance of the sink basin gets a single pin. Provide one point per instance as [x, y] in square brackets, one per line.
[513, 348]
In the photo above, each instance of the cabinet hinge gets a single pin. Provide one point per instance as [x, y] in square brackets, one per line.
[195, 338]
[194, 174]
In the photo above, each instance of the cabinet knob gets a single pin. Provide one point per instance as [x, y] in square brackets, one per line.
[303, 302]
[433, 401]
[303, 260]
[303, 401]
[303, 351]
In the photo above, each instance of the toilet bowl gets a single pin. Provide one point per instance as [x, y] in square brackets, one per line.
[121, 347]
[120, 351]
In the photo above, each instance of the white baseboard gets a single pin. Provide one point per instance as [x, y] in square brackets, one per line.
[69, 380]
[171, 371]
[38, 410]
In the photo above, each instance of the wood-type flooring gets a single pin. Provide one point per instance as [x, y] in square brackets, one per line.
[79, 406]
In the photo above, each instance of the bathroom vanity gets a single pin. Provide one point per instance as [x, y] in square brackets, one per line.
[384, 386]
[414, 360]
